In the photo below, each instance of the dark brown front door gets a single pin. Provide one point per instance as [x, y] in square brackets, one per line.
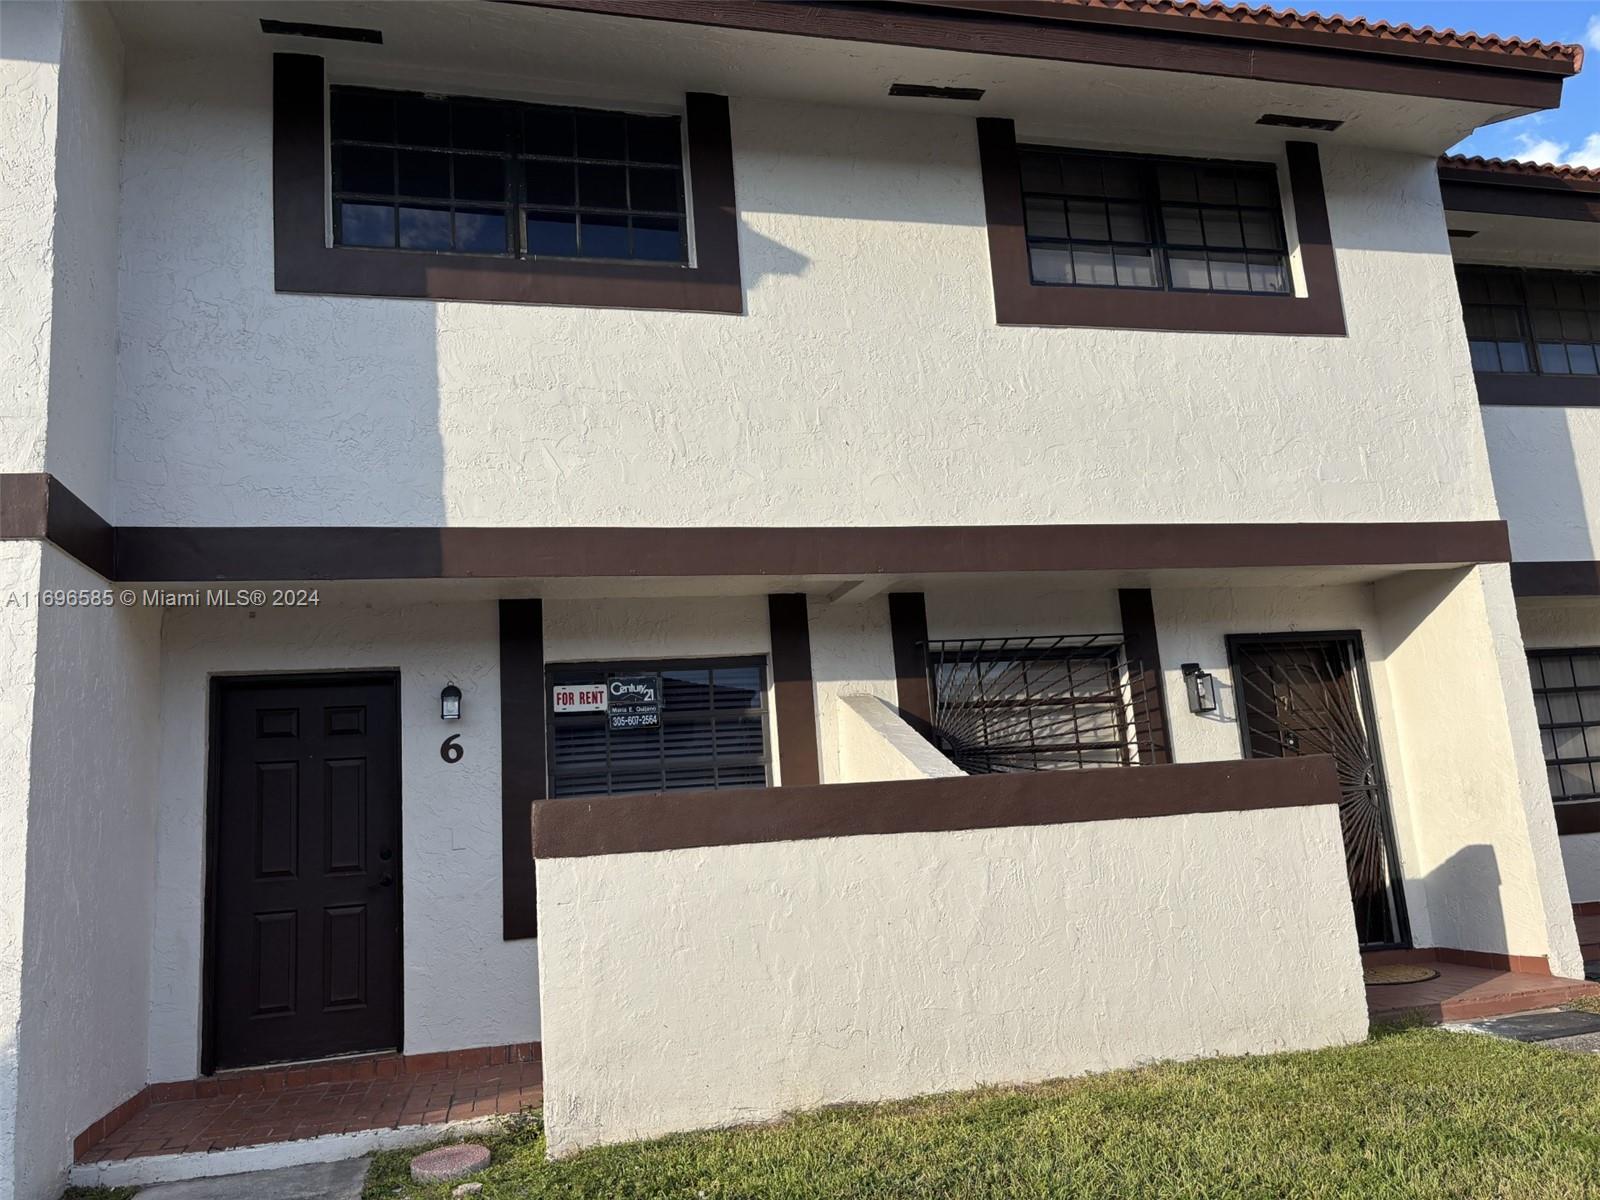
[305, 919]
[1309, 694]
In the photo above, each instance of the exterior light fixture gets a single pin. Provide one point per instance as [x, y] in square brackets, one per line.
[1201, 688]
[450, 703]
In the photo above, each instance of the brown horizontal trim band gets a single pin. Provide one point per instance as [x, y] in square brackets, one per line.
[1019, 301]
[39, 506]
[1063, 36]
[580, 828]
[219, 554]
[1539, 391]
[295, 553]
[305, 263]
[1577, 577]
[1554, 200]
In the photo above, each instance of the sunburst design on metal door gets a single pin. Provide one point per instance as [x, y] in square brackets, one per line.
[1305, 697]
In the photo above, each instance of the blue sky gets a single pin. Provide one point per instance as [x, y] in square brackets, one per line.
[1571, 134]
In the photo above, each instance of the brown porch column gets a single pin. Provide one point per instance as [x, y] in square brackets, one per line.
[908, 629]
[522, 767]
[1143, 652]
[794, 697]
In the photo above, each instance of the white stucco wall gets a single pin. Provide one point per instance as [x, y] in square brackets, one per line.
[875, 743]
[90, 872]
[705, 987]
[1549, 625]
[848, 393]
[1544, 475]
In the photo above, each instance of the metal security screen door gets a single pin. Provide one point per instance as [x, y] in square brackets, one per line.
[1305, 694]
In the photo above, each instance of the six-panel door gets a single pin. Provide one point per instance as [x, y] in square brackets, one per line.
[306, 919]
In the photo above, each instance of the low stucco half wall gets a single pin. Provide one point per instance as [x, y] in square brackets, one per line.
[687, 986]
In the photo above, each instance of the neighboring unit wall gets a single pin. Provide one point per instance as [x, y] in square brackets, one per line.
[1564, 624]
[867, 382]
[90, 870]
[712, 986]
[1544, 474]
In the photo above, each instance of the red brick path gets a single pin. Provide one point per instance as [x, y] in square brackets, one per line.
[1468, 993]
[249, 1118]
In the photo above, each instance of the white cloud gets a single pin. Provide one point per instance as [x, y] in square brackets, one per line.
[1548, 150]
[1592, 34]
[1588, 154]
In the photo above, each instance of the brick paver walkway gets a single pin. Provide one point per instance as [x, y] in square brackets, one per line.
[310, 1110]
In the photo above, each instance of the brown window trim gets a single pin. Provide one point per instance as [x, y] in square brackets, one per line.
[522, 761]
[1019, 301]
[1538, 391]
[305, 263]
[1576, 577]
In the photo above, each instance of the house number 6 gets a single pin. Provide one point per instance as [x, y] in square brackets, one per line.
[449, 750]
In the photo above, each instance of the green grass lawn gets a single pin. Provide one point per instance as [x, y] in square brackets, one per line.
[1410, 1113]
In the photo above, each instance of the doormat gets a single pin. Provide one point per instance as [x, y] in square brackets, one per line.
[1540, 1026]
[1397, 973]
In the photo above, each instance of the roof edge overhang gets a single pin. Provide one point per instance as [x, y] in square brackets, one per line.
[1141, 38]
[1519, 189]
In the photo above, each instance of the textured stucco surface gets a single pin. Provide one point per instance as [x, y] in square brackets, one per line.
[1552, 624]
[1484, 836]
[848, 393]
[705, 987]
[1544, 475]
[464, 986]
[874, 743]
[90, 872]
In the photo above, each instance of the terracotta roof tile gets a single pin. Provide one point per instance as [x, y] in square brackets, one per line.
[1354, 27]
[1513, 166]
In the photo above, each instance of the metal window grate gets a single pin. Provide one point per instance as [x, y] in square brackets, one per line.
[1566, 694]
[1053, 703]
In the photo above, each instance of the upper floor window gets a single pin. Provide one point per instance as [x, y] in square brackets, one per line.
[1531, 322]
[1184, 225]
[1566, 695]
[469, 176]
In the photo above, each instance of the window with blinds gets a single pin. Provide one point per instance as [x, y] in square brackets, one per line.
[1566, 694]
[711, 732]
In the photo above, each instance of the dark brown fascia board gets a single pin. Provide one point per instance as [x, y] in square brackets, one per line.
[580, 828]
[1465, 190]
[1538, 391]
[1020, 301]
[304, 263]
[1577, 577]
[1109, 40]
[38, 506]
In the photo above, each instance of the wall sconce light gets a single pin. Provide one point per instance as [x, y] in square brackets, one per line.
[450, 703]
[1201, 688]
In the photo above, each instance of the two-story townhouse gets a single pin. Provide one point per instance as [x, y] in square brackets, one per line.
[798, 431]
[1526, 240]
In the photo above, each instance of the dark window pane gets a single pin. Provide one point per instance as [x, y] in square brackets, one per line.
[1216, 186]
[1120, 178]
[1484, 356]
[737, 687]
[361, 117]
[1268, 273]
[1177, 183]
[1182, 225]
[422, 122]
[603, 236]
[601, 135]
[1229, 273]
[363, 169]
[1041, 172]
[547, 131]
[424, 173]
[1087, 220]
[1514, 357]
[366, 225]
[654, 140]
[425, 229]
[653, 189]
[1222, 227]
[602, 187]
[1545, 322]
[1262, 230]
[1128, 223]
[1553, 358]
[686, 689]
[1256, 187]
[481, 230]
[553, 234]
[1046, 217]
[1051, 266]
[478, 127]
[552, 183]
[1081, 176]
[659, 239]
[479, 177]
[1574, 325]
[1581, 358]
